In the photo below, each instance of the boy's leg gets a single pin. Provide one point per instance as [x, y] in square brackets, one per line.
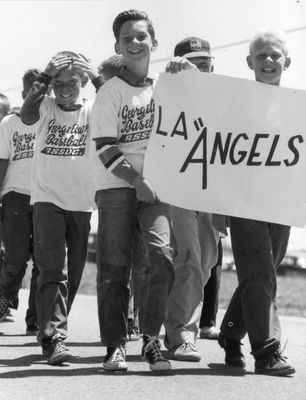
[154, 223]
[196, 253]
[210, 304]
[78, 227]
[31, 314]
[115, 239]
[50, 256]
[16, 218]
[253, 256]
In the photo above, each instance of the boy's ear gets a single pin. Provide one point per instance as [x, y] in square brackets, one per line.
[117, 48]
[287, 62]
[249, 62]
[154, 45]
[23, 94]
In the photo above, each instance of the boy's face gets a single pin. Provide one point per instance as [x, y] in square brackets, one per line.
[268, 60]
[135, 42]
[202, 63]
[66, 85]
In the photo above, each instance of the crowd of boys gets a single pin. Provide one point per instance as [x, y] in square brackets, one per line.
[91, 155]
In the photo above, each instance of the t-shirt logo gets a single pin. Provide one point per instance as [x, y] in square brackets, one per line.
[65, 140]
[23, 145]
[137, 122]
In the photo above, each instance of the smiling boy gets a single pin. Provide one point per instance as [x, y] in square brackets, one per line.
[258, 249]
[123, 116]
[62, 192]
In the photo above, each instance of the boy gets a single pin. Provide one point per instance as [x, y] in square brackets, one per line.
[123, 116]
[16, 154]
[62, 192]
[258, 249]
[196, 240]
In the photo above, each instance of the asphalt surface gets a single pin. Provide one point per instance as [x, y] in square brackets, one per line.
[24, 373]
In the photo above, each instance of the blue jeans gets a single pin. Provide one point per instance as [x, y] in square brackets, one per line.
[58, 233]
[119, 212]
[17, 226]
[258, 249]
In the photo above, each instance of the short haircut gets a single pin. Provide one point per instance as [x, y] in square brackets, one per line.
[29, 77]
[132, 15]
[4, 104]
[268, 33]
[110, 67]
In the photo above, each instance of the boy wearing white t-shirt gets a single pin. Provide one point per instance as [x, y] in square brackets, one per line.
[16, 155]
[62, 192]
[123, 116]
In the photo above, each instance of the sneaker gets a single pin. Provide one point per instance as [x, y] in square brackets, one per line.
[55, 350]
[4, 308]
[32, 330]
[185, 352]
[209, 332]
[133, 335]
[273, 364]
[152, 354]
[115, 359]
[233, 354]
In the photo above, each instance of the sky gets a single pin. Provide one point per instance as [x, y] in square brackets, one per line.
[33, 31]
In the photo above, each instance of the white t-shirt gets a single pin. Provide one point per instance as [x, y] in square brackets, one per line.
[17, 146]
[126, 113]
[62, 169]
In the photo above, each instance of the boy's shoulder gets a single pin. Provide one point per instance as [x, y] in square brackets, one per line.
[10, 119]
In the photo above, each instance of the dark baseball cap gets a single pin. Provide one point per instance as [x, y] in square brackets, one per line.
[192, 47]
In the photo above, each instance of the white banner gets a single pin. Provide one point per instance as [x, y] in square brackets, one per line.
[229, 146]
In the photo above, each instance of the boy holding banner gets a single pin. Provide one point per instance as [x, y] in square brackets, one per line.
[258, 249]
[123, 115]
[196, 239]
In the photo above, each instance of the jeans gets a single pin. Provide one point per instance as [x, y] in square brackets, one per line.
[258, 249]
[197, 251]
[119, 213]
[17, 226]
[211, 293]
[58, 233]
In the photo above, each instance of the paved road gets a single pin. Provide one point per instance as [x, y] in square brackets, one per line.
[24, 374]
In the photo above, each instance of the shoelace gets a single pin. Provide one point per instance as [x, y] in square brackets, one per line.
[153, 346]
[59, 346]
[187, 346]
[4, 305]
[279, 353]
[118, 355]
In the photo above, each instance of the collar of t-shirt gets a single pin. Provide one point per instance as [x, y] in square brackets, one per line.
[79, 103]
[129, 78]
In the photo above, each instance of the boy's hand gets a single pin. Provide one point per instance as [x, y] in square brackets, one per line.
[56, 64]
[179, 64]
[144, 191]
[85, 65]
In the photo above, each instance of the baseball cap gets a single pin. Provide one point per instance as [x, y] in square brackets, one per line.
[192, 47]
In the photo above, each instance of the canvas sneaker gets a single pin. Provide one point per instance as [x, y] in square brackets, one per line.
[209, 332]
[115, 359]
[55, 350]
[4, 308]
[185, 352]
[151, 352]
[273, 364]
